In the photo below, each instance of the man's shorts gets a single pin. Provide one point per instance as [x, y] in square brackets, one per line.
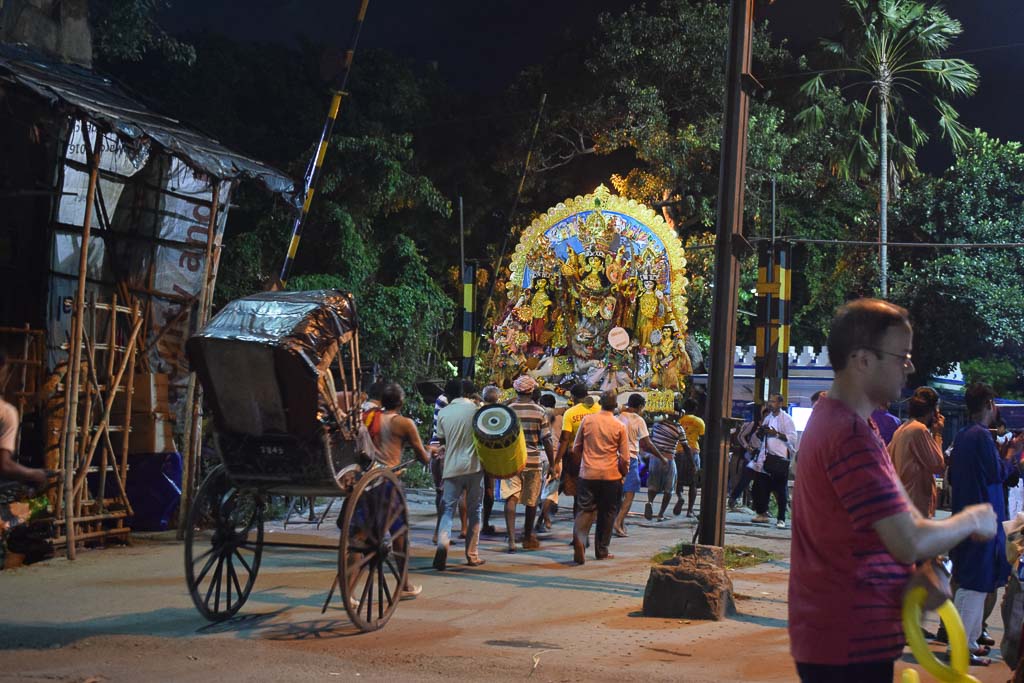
[662, 477]
[525, 486]
[598, 494]
[687, 465]
[631, 484]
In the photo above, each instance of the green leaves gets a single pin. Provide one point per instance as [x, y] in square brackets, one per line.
[965, 303]
[954, 76]
[127, 30]
[949, 124]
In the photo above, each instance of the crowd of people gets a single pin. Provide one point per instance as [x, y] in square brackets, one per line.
[591, 449]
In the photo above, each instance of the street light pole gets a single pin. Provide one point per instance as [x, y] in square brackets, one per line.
[729, 235]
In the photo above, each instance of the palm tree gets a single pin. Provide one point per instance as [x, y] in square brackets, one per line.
[890, 49]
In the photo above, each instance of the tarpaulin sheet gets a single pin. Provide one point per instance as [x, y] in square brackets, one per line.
[305, 323]
[258, 357]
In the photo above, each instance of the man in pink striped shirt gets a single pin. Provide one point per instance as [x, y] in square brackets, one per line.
[855, 532]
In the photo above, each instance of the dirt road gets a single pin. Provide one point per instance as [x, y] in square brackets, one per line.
[123, 614]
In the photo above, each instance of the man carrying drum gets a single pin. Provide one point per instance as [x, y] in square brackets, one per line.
[526, 485]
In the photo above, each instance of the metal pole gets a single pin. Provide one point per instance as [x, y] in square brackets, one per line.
[462, 242]
[312, 176]
[729, 227]
[77, 327]
[466, 280]
[467, 366]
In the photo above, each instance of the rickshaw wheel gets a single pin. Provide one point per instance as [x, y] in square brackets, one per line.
[223, 546]
[374, 550]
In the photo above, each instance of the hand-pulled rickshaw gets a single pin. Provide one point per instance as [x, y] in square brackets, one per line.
[281, 372]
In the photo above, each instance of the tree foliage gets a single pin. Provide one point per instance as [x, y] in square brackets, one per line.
[891, 49]
[970, 302]
[127, 30]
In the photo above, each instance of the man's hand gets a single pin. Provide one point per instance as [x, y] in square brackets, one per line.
[986, 524]
[938, 423]
[37, 478]
[934, 578]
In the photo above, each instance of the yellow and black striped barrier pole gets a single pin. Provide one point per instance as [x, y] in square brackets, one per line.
[468, 320]
[784, 276]
[312, 177]
[774, 318]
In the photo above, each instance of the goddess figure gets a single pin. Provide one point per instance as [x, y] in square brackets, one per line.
[673, 363]
[594, 279]
[540, 303]
[649, 304]
[627, 290]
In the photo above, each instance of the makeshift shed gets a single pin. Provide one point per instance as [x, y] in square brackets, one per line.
[111, 224]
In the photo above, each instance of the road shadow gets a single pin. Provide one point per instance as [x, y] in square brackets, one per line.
[566, 582]
[171, 623]
[167, 622]
[768, 622]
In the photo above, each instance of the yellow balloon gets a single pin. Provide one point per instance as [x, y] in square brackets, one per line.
[956, 671]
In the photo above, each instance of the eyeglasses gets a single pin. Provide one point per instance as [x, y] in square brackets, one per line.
[905, 357]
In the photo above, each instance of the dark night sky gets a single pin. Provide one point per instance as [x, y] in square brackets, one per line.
[482, 44]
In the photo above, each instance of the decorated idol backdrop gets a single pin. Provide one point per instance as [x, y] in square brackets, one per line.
[596, 293]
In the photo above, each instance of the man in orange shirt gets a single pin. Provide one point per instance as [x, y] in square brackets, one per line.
[602, 446]
[916, 450]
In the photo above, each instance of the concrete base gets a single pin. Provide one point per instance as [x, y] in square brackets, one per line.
[691, 585]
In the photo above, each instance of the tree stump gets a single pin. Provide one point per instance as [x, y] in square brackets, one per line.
[691, 585]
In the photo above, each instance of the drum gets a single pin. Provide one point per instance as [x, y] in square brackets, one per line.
[499, 440]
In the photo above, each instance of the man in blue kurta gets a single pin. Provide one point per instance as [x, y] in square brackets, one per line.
[976, 475]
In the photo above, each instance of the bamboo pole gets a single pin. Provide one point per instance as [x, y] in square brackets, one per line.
[107, 406]
[194, 394]
[140, 319]
[85, 389]
[22, 400]
[104, 431]
[95, 152]
[101, 489]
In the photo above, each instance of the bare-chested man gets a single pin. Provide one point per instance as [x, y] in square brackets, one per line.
[397, 432]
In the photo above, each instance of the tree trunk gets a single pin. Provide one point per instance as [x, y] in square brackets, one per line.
[883, 228]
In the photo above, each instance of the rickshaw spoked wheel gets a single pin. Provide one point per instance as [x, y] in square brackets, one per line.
[223, 546]
[373, 552]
